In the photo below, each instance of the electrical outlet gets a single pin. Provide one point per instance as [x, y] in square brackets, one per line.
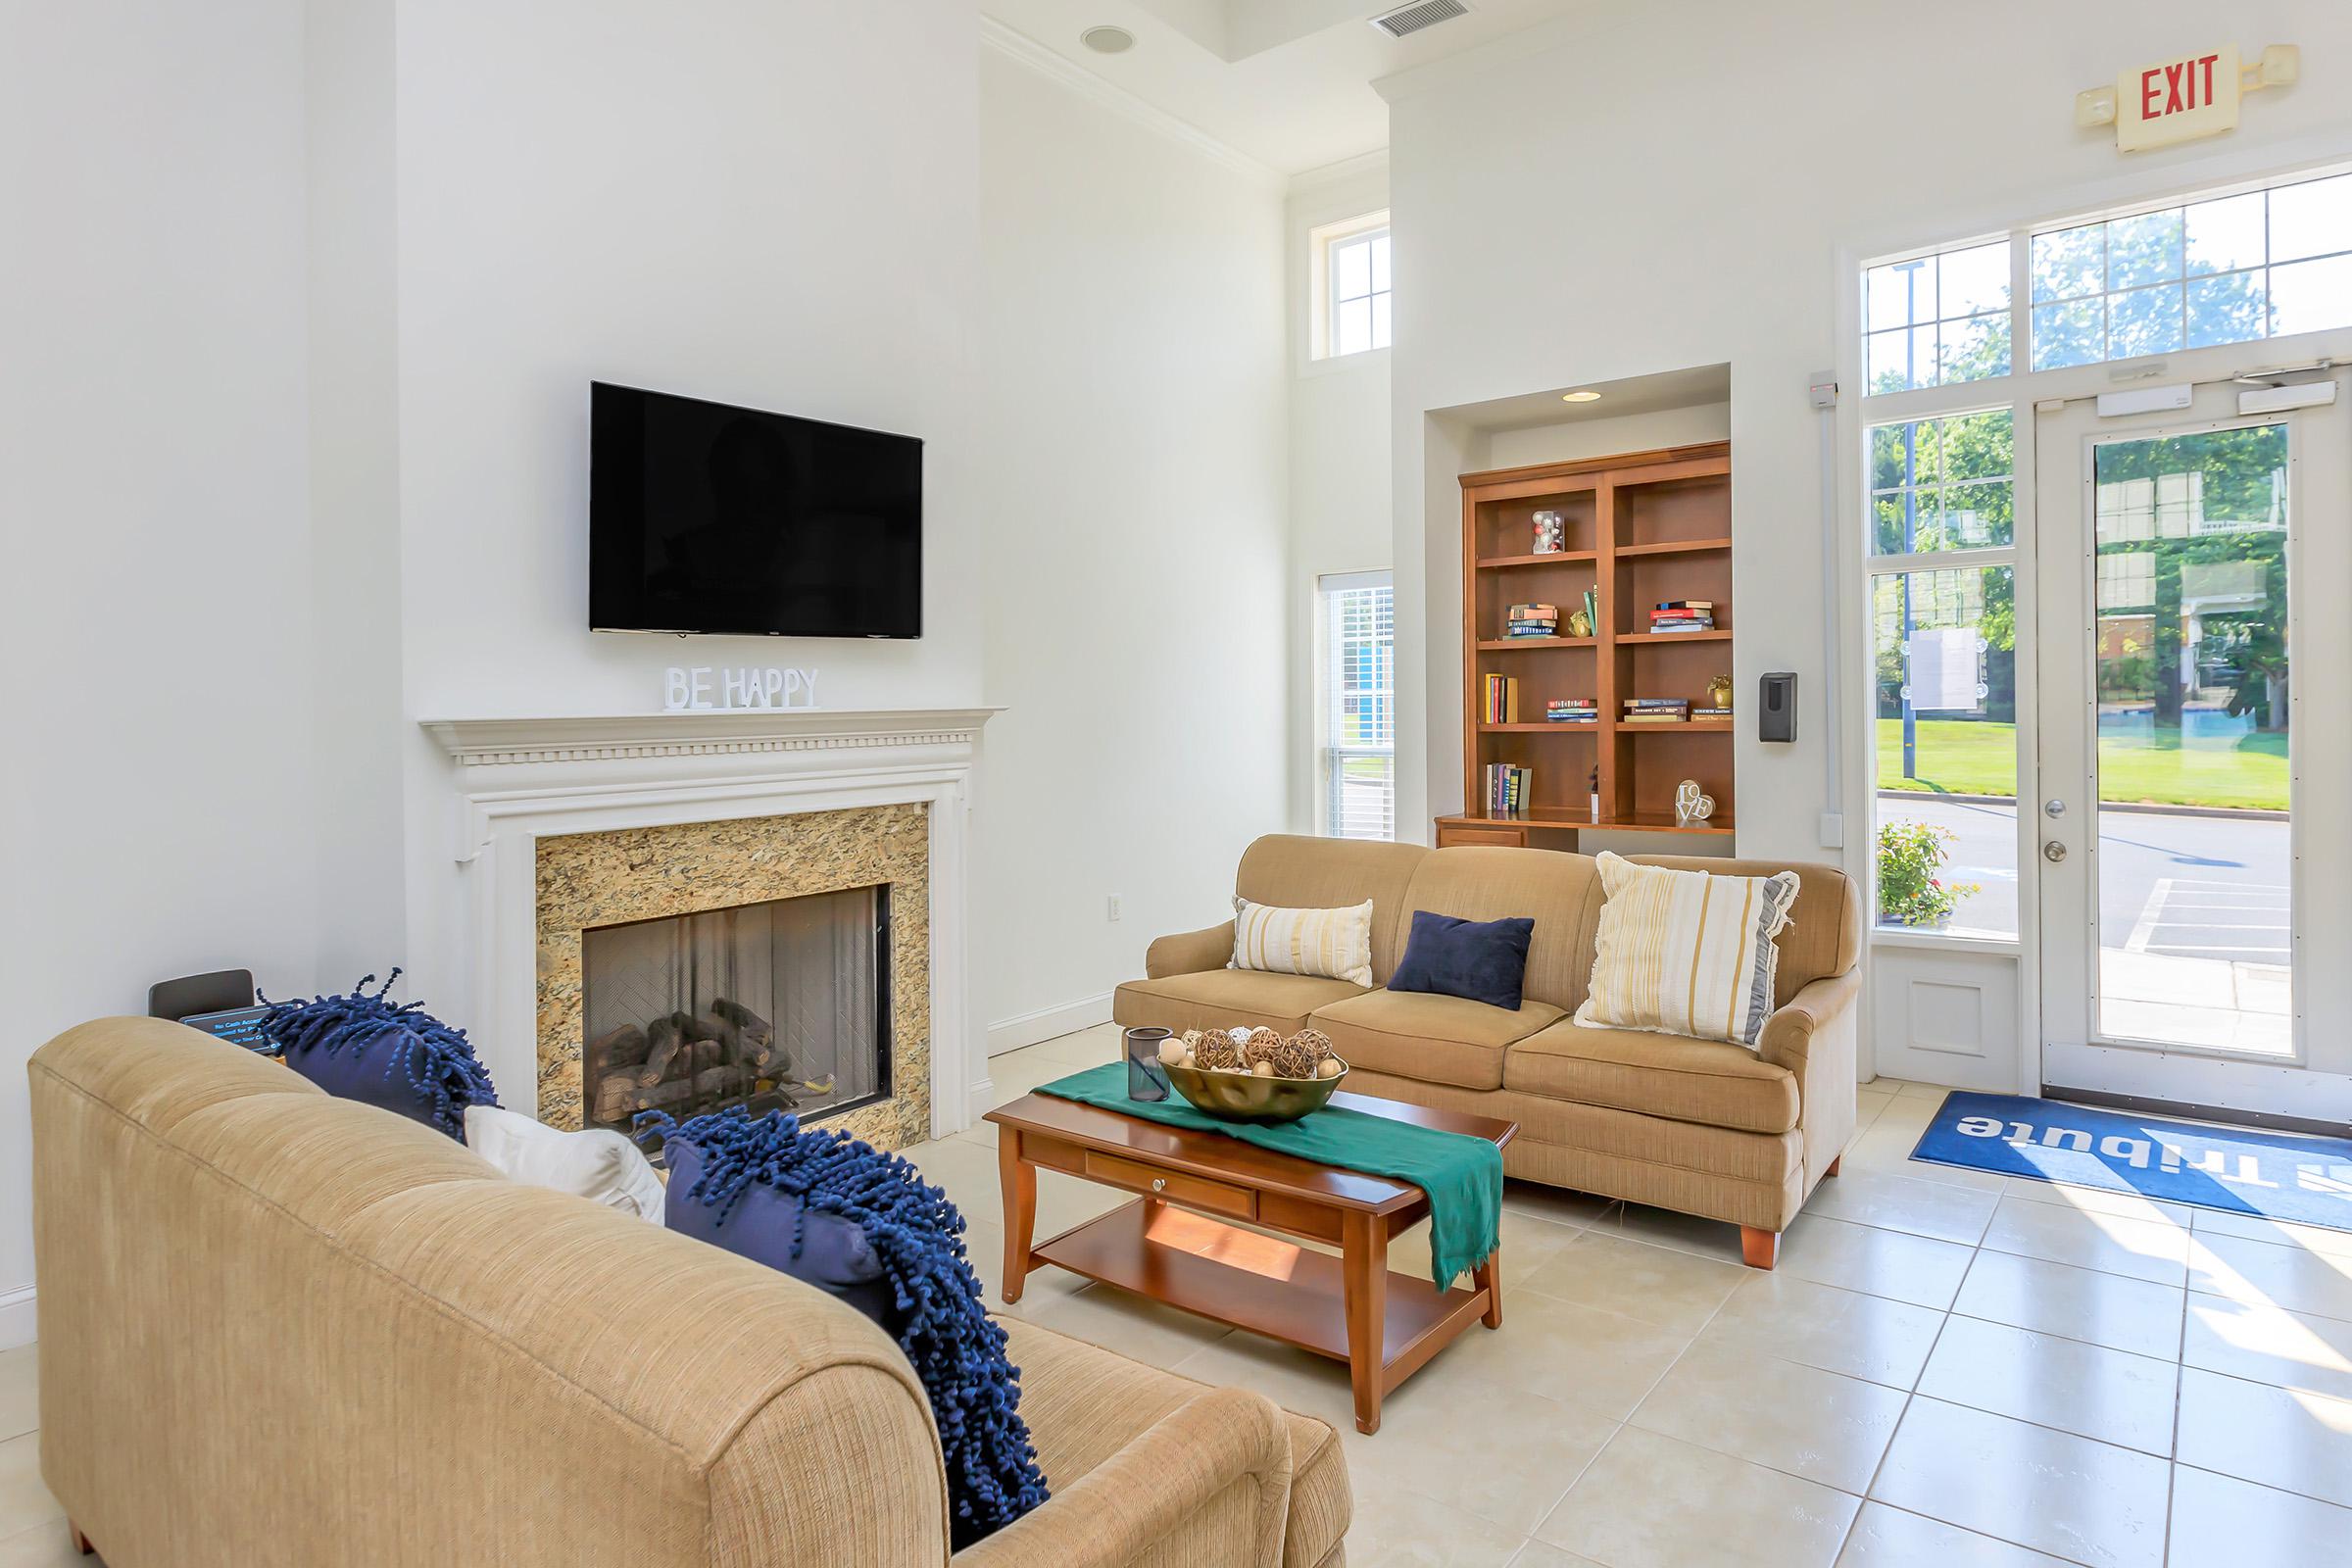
[1112, 910]
[1832, 830]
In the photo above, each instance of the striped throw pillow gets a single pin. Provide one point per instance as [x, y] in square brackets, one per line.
[1335, 944]
[1686, 952]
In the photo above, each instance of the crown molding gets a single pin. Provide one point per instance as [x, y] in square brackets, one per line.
[1018, 45]
[1363, 166]
[504, 742]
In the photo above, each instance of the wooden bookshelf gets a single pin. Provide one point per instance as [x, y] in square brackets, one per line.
[1641, 527]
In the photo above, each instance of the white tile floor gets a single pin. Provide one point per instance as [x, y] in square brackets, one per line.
[1948, 1368]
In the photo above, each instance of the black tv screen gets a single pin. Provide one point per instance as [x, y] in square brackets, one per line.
[704, 518]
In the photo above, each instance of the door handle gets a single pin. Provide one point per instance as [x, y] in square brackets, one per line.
[2053, 852]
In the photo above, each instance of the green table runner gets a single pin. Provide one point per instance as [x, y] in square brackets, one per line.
[1462, 1175]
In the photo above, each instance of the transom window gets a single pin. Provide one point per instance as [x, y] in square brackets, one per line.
[2266, 264]
[1936, 320]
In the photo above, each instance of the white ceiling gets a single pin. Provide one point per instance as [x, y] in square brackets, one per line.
[1288, 82]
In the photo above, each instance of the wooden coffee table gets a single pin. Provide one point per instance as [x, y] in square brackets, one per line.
[1166, 1246]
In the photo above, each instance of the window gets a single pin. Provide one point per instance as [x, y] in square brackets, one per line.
[1937, 320]
[1943, 644]
[1358, 706]
[2266, 264]
[1351, 286]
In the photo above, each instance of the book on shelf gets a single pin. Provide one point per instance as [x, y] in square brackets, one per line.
[1592, 607]
[1655, 717]
[1682, 604]
[1711, 713]
[1549, 613]
[1509, 789]
[1657, 702]
[1500, 700]
[1679, 628]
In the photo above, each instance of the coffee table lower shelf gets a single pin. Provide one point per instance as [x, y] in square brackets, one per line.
[1260, 1283]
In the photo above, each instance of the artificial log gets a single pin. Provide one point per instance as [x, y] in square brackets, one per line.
[713, 1081]
[664, 1041]
[620, 1098]
[754, 1028]
[614, 1048]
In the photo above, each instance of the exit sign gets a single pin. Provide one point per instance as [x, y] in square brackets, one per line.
[2176, 100]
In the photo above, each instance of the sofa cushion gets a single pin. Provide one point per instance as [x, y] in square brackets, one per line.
[1439, 1040]
[1314, 874]
[1478, 960]
[1219, 998]
[1084, 1405]
[1824, 933]
[1704, 1080]
[1560, 893]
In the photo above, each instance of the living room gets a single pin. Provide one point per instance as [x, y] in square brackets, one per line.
[1405, 477]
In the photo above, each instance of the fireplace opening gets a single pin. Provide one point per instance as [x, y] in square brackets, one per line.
[777, 1005]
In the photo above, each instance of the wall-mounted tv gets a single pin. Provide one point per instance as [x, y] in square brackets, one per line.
[707, 518]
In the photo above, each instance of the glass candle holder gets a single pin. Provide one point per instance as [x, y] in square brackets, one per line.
[1147, 1079]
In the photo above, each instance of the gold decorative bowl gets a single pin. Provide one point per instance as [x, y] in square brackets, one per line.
[1246, 1097]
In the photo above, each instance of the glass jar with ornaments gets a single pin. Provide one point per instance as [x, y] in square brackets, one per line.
[1552, 534]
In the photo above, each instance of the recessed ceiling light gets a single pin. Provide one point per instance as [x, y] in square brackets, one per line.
[1579, 397]
[1107, 40]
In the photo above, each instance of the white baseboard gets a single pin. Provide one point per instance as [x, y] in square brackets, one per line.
[1047, 1024]
[979, 1101]
[17, 1324]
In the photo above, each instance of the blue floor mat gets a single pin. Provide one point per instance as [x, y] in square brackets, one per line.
[2292, 1177]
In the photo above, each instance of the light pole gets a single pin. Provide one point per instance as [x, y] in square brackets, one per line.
[1910, 272]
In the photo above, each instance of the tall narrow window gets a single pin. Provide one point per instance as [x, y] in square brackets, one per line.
[1350, 286]
[1358, 752]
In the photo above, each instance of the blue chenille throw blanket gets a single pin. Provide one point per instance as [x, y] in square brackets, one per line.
[1462, 1175]
[975, 1390]
[361, 1047]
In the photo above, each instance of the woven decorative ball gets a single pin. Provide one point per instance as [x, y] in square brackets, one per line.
[1216, 1052]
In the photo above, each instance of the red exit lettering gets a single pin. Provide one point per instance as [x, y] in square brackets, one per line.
[2177, 88]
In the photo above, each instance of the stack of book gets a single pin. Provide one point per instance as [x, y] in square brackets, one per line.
[1499, 700]
[1509, 789]
[1532, 620]
[1656, 710]
[1683, 614]
[1572, 710]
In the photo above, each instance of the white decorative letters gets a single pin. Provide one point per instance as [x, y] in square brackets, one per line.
[742, 687]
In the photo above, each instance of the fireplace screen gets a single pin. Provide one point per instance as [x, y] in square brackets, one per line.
[776, 1005]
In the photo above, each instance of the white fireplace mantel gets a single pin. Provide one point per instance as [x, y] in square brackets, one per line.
[519, 780]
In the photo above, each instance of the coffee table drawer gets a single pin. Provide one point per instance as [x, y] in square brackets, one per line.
[1197, 1192]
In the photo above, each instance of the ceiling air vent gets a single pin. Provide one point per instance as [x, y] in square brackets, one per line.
[1412, 19]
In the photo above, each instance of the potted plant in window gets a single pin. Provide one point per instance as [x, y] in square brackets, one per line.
[1910, 892]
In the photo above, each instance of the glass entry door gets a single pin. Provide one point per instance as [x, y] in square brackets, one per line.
[2192, 576]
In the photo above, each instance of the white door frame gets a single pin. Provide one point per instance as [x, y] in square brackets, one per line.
[2316, 1082]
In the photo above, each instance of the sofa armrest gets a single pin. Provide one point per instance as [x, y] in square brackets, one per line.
[1815, 1037]
[1788, 1034]
[1209, 1482]
[1190, 953]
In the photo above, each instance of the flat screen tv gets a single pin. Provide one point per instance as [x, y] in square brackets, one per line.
[707, 518]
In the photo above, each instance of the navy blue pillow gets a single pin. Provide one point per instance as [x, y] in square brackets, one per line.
[398, 1057]
[1479, 961]
[835, 1255]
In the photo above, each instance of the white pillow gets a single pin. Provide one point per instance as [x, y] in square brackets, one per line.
[1335, 944]
[599, 1165]
[1686, 952]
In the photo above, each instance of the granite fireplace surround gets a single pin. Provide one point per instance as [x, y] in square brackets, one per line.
[638, 873]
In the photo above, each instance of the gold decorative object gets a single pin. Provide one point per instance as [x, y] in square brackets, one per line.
[1718, 692]
[1580, 624]
[1253, 1075]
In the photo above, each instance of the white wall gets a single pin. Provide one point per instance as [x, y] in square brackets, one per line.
[1129, 383]
[158, 603]
[1657, 187]
[1341, 506]
[759, 204]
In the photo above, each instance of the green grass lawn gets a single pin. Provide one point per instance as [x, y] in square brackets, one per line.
[1964, 758]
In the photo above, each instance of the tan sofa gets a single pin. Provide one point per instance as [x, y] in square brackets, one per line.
[281, 1329]
[1695, 1125]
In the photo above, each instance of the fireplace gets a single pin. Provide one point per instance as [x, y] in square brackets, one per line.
[779, 1005]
